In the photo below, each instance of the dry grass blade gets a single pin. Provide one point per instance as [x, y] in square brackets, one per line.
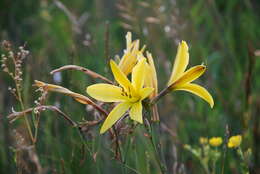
[77, 22]
[85, 70]
[152, 20]
[15, 115]
[84, 126]
[78, 97]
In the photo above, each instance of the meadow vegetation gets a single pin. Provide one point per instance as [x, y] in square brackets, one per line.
[71, 70]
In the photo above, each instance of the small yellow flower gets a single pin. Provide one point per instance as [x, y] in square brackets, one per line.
[181, 79]
[129, 58]
[129, 94]
[215, 141]
[234, 141]
[203, 140]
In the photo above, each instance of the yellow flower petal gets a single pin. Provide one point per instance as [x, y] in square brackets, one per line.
[136, 112]
[151, 81]
[197, 90]
[138, 74]
[180, 63]
[145, 92]
[143, 48]
[190, 75]
[106, 92]
[148, 81]
[153, 75]
[114, 115]
[127, 63]
[120, 77]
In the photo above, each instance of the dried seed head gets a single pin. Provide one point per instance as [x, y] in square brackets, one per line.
[6, 45]
[11, 54]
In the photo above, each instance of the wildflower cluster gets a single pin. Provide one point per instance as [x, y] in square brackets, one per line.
[208, 152]
[132, 94]
[129, 96]
[233, 141]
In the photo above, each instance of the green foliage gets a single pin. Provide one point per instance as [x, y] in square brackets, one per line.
[222, 34]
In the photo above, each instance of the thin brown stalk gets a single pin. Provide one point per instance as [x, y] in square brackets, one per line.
[160, 95]
[82, 69]
[155, 149]
[248, 85]
[227, 134]
[15, 115]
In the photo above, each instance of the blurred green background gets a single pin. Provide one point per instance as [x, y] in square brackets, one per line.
[222, 34]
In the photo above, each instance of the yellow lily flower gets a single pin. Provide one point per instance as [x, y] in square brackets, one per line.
[181, 79]
[129, 94]
[129, 58]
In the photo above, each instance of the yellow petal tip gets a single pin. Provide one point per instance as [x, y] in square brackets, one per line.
[184, 44]
[104, 128]
[102, 131]
[39, 83]
[211, 105]
[112, 62]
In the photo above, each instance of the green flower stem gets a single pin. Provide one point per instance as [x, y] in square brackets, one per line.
[205, 166]
[25, 118]
[214, 166]
[244, 165]
[155, 150]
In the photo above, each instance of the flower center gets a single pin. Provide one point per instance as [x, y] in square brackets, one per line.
[129, 94]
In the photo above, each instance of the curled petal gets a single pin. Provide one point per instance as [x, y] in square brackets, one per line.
[190, 75]
[114, 115]
[106, 93]
[56, 88]
[199, 91]
[152, 74]
[136, 112]
[129, 58]
[51, 87]
[127, 63]
[180, 63]
[128, 40]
